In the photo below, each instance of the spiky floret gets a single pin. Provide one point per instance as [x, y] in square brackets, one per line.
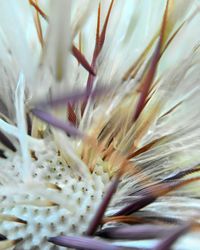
[103, 134]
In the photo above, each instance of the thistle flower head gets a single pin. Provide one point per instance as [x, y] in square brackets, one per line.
[99, 128]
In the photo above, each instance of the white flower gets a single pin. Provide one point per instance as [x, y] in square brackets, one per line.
[99, 100]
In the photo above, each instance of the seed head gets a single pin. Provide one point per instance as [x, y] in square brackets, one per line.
[99, 128]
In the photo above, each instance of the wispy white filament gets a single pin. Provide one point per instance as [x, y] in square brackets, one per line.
[21, 122]
[15, 36]
[67, 149]
[10, 129]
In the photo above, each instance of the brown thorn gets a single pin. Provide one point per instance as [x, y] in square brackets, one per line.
[172, 109]
[182, 174]
[98, 46]
[98, 23]
[103, 33]
[80, 42]
[149, 76]
[131, 72]
[39, 28]
[38, 9]
[146, 147]
[124, 219]
[71, 114]
[82, 60]
[150, 194]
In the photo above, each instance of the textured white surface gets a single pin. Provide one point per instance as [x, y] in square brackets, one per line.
[74, 204]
